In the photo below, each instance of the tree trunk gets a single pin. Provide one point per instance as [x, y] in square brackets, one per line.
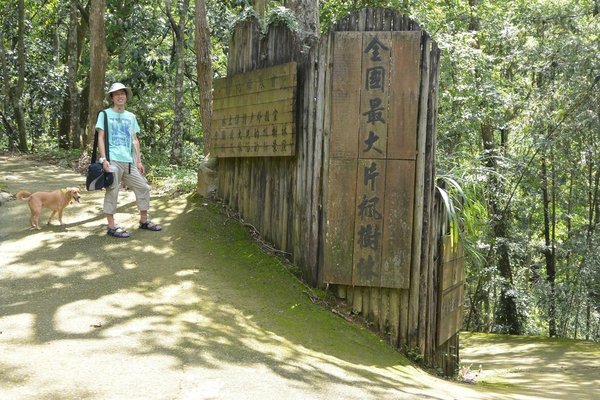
[69, 123]
[179, 30]
[260, 6]
[204, 71]
[506, 313]
[97, 65]
[7, 100]
[307, 14]
[18, 90]
[74, 51]
[549, 249]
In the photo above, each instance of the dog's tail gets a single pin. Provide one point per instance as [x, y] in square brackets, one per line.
[23, 195]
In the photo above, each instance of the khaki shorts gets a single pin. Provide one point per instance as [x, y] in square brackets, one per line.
[128, 175]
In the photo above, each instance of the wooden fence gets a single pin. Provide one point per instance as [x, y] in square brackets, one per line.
[290, 199]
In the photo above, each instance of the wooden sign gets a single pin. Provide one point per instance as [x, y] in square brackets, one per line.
[374, 107]
[254, 113]
[451, 290]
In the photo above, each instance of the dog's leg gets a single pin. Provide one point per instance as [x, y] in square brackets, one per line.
[52, 215]
[60, 213]
[35, 221]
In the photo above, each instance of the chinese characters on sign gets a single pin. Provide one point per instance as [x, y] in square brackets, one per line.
[253, 113]
[372, 152]
[370, 202]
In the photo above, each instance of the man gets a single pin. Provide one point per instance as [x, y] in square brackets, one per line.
[124, 160]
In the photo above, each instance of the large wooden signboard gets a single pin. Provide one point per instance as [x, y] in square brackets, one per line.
[451, 291]
[371, 180]
[253, 113]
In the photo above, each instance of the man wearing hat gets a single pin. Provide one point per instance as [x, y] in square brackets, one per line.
[125, 160]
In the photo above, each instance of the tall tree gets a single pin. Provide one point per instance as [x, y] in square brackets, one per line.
[178, 108]
[260, 6]
[506, 312]
[549, 211]
[204, 69]
[16, 92]
[97, 64]
[307, 15]
[73, 55]
[7, 102]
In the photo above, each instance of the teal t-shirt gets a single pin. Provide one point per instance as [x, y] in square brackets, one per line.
[121, 128]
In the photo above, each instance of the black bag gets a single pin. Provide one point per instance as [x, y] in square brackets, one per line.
[97, 178]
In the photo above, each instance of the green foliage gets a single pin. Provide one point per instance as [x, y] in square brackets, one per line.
[414, 354]
[172, 178]
[523, 68]
[284, 16]
[334, 10]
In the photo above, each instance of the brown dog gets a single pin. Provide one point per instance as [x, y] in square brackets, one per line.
[56, 201]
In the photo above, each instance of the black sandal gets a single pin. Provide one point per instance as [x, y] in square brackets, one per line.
[117, 232]
[151, 226]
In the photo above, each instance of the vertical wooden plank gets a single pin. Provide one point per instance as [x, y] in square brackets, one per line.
[434, 279]
[314, 258]
[328, 78]
[413, 315]
[370, 192]
[398, 223]
[345, 95]
[341, 291]
[385, 310]
[284, 210]
[366, 303]
[375, 307]
[404, 95]
[307, 196]
[350, 295]
[362, 20]
[299, 173]
[404, 301]
[339, 240]
[395, 309]
[357, 299]
[427, 337]
[388, 20]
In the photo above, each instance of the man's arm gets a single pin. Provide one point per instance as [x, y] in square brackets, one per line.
[138, 152]
[102, 150]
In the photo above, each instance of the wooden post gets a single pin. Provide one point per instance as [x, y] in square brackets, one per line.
[415, 275]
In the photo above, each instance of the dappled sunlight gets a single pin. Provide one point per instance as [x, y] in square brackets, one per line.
[196, 306]
[17, 328]
[533, 365]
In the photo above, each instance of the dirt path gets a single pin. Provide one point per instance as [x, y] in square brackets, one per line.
[526, 367]
[194, 312]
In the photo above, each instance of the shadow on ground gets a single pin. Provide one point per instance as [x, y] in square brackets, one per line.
[195, 311]
[198, 311]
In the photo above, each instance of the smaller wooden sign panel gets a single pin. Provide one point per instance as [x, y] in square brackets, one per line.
[254, 113]
[450, 313]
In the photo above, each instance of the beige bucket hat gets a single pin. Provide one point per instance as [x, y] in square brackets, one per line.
[116, 87]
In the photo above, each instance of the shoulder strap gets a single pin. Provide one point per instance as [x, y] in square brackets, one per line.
[106, 135]
[105, 138]
[95, 147]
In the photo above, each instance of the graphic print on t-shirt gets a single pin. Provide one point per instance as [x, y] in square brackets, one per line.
[121, 134]
[121, 131]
